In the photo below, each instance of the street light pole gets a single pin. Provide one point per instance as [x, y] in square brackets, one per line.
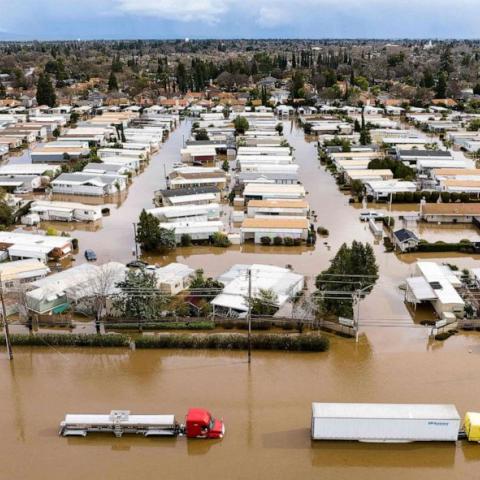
[135, 240]
[5, 323]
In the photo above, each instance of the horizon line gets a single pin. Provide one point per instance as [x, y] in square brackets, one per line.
[192, 39]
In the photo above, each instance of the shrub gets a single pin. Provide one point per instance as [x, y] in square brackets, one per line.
[297, 242]
[322, 231]
[266, 241]
[454, 196]
[288, 241]
[277, 240]
[434, 196]
[219, 239]
[445, 197]
[388, 221]
[185, 240]
[408, 197]
[75, 243]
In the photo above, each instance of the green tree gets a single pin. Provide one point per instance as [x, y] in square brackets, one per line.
[3, 91]
[225, 166]
[182, 80]
[153, 237]
[45, 91]
[353, 271]
[264, 96]
[428, 80]
[241, 125]
[441, 86]
[398, 169]
[298, 85]
[207, 288]
[474, 125]
[365, 138]
[6, 212]
[361, 82]
[265, 302]
[139, 296]
[112, 82]
[357, 187]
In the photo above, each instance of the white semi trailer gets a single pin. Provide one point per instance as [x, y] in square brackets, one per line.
[395, 423]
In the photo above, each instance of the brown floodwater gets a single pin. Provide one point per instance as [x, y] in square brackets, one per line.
[266, 409]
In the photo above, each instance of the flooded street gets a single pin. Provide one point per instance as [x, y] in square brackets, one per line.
[266, 409]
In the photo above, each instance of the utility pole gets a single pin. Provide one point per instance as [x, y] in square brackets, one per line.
[5, 323]
[135, 239]
[249, 315]
[357, 323]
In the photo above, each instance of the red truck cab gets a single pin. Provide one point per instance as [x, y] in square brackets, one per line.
[199, 423]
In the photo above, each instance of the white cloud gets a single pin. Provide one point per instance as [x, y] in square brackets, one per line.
[272, 16]
[209, 11]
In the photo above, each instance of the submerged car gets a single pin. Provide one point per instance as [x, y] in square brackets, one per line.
[90, 255]
[371, 215]
[137, 264]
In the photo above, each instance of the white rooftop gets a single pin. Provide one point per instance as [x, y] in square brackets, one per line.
[282, 281]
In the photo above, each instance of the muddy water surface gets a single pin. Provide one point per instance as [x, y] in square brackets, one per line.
[266, 409]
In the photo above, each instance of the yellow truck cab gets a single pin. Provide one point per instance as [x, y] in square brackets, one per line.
[472, 426]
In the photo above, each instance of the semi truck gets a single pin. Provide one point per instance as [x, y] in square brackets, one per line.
[392, 423]
[199, 423]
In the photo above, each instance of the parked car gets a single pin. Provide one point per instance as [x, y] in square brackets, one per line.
[90, 255]
[137, 264]
[370, 215]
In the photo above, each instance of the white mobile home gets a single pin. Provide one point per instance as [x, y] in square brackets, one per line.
[196, 230]
[232, 301]
[187, 213]
[66, 211]
[79, 183]
[271, 226]
[174, 278]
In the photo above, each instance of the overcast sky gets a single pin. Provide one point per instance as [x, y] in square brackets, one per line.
[86, 19]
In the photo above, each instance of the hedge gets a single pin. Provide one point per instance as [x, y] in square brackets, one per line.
[162, 325]
[300, 343]
[68, 340]
[444, 247]
[260, 341]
